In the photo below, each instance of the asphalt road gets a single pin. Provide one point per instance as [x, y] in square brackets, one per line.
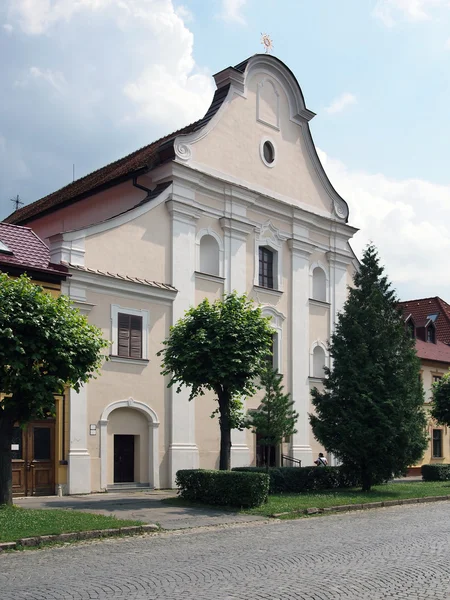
[399, 552]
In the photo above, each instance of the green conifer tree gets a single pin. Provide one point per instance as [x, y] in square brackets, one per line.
[370, 414]
[275, 419]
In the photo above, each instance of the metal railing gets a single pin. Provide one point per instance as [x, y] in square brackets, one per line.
[296, 462]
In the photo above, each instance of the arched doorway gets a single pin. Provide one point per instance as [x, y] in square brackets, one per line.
[129, 446]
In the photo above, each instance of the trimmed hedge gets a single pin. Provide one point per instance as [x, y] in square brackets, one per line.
[225, 488]
[436, 472]
[304, 479]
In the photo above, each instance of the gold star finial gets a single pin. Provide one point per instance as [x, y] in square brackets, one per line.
[267, 43]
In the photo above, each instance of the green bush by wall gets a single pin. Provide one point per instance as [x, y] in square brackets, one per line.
[227, 488]
[436, 472]
[304, 479]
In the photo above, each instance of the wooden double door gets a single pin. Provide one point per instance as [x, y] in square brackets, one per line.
[33, 459]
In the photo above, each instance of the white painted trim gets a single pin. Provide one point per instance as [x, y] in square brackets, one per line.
[319, 265]
[274, 242]
[276, 322]
[219, 240]
[318, 343]
[261, 151]
[153, 439]
[115, 310]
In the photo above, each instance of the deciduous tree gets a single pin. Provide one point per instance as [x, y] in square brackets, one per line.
[441, 400]
[45, 345]
[220, 346]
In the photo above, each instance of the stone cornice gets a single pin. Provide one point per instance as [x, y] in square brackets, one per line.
[236, 228]
[300, 248]
[183, 212]
[339, 259]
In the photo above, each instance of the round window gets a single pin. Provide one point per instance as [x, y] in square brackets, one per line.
[268, 152]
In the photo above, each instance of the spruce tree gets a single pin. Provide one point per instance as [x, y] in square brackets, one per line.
[370, 414]
[275, 419]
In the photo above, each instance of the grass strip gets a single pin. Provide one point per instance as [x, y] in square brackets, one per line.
[17, 523]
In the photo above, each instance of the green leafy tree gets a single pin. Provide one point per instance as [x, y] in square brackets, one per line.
[221, 347]
[275, 419]
[45, 345]
[370, 414]
[441, 400]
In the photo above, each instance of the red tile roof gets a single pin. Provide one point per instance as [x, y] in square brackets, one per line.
[428, 351]
[421, 308]
[27, 251]
[125, 168]
[154, 284]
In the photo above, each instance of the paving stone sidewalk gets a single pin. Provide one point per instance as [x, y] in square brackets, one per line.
[142, 506]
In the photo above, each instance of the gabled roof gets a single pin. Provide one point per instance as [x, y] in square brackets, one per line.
[133, 164]
[25, 251]
[423, 308]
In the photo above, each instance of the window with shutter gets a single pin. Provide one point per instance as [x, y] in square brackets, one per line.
[129, 336]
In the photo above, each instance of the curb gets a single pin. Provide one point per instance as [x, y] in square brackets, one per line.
[366, 506]
[31, 542]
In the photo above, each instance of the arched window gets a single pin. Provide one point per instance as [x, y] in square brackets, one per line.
[265, 267]
[318, 362]
[319, 286]
[209, 255]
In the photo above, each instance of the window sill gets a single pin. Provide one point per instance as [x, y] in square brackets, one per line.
[129, 361]
[316, 379]
[209, 277]
[315, 302]
[272, 291]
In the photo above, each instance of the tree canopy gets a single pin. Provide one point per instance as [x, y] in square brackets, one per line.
[370, 413]
[45, 345]
[222, 347]
[441, 400]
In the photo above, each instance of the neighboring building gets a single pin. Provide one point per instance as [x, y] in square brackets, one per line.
[40, 449]
[236, 201]
[428, 322]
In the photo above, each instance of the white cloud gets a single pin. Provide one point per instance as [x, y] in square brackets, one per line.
[171, 92]
[341, 103]
[388, 11]
[55, 79]
[408, 220]
[232, 11]
[8, 28]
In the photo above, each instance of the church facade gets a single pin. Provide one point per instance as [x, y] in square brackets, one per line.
[236, 201]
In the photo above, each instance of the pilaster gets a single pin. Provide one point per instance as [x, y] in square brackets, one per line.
[236, 232]
[300, 258]
[79, 471]
[183, 451]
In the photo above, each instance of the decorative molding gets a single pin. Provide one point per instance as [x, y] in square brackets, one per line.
[236, 228]
[115, 310]
[318, 344]
[320, 303]
[219, 240]
[182, 212]
[259, 89]
[312, 268]
[128, 361]
[276, 322]
[301, 248]
[183, 150]
[269, 237]
[208, 277]
[339, 260]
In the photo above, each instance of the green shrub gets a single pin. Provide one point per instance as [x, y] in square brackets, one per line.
[225, 488]
[436, 472]
[304, 479]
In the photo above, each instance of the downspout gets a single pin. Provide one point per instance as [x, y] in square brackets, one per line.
[139, 186]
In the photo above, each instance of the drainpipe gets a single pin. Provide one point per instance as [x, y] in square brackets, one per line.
[139, 186]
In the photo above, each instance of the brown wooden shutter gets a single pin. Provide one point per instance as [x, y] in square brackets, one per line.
[123, 335]
[136, 337]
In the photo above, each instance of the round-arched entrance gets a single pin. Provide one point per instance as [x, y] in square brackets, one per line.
[129, 447]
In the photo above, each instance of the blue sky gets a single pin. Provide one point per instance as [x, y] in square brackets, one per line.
[87, 81]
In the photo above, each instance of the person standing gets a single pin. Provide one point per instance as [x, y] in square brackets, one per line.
[321, 461]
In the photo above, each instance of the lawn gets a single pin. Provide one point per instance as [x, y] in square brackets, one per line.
[280, 503]
[16, 523]
[390, 491]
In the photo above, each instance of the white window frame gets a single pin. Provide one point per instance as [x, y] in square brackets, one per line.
[276, 322]
[319, 265]
[311, 358]
[135, 312]
[269, 237]
[219, 240]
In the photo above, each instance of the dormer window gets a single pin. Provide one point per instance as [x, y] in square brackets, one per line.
[431, 334]
[411, 329]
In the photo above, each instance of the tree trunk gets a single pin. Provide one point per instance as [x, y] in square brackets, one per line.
[6, 435]
[225, 432]
[366, 477]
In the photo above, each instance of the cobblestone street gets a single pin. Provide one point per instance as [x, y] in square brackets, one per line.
[399, 552]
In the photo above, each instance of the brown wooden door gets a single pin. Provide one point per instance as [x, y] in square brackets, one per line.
[123, 458]
[33, 459]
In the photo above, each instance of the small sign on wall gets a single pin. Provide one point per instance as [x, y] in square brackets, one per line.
[15, 447]
[93, 429]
